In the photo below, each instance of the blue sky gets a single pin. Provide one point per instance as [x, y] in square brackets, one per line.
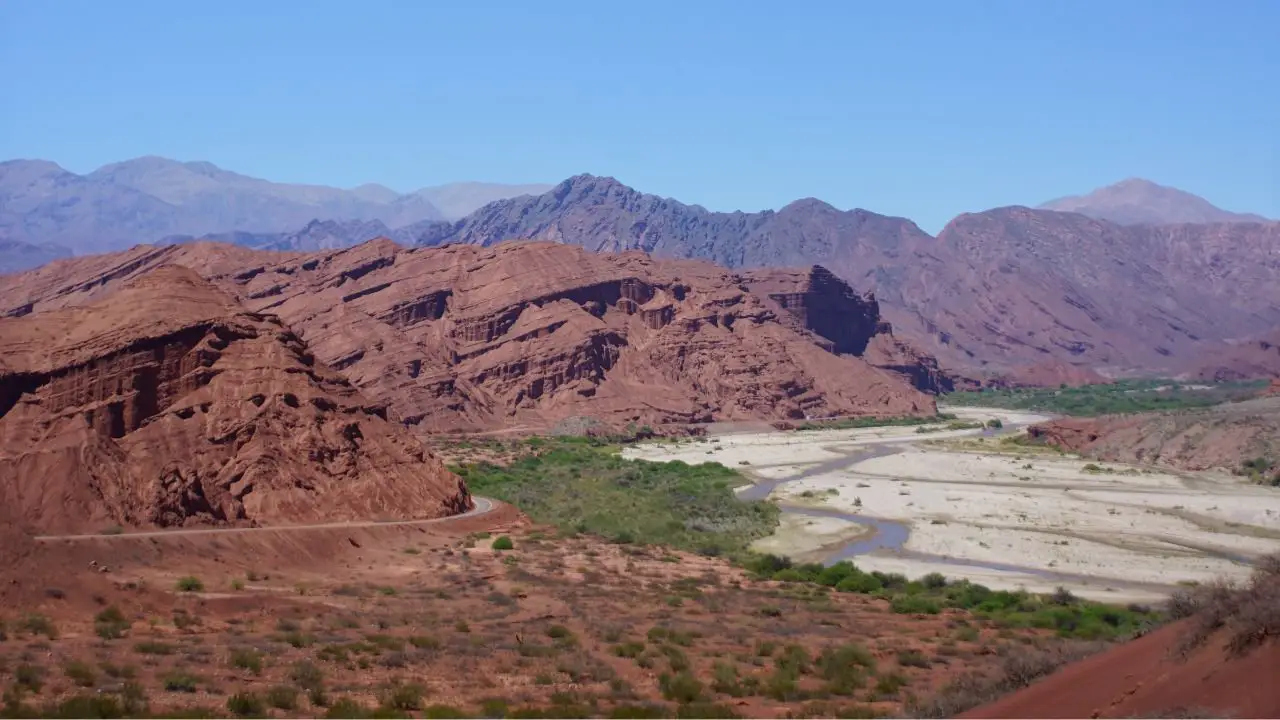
[921, 109]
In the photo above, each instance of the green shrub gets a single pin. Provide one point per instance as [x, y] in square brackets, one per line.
[283, 697]
[636, 712]
[247, 659]
[154, 647]
[36, 624]
[859, 582]
[346, 708]
[246, 704]
[681, 687]
[190, 583]
[503, 542]
[80, 673]
[404, 696]
[914, 605]
[86, 706]
[913, 658]
[307, 675]
[181, 682]
[111, 623]
[29, 677]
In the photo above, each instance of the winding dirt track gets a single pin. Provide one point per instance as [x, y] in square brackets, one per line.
[482, 507]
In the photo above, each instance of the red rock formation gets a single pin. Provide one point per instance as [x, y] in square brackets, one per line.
[827, 306]
[1222, 436]
[165, 403]
[525, 334]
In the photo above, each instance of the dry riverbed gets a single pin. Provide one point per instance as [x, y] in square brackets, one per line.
[999, 514]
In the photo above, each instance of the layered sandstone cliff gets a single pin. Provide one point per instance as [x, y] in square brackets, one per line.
[166, 403]
[522, 335]
[829, 307]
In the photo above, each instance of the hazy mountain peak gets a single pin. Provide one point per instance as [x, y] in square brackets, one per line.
[1138, 201]
[809, 204]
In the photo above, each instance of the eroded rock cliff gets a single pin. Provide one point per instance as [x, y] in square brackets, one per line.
[519, 336]
[830, 308]
[166, 403]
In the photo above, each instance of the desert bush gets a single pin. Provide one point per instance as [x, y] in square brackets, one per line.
[110, 623]
[503, 542]
[637, 712]
[36, 624]
[1249, 613]
[307, 675]
[1019, 669]
[246, 704]
[346, 708]
[154, 647]
[404, 696]
[681, 687]
[914, 605]
[283, 697]
[247, 659]
[80, 673]
[86, 706]
[181, 682]
[190, 583]
[913, 658]
[29, 677]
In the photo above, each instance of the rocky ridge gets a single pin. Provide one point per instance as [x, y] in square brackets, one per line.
[523, 335]
[165, 403]
[994, 292]
[850, 322]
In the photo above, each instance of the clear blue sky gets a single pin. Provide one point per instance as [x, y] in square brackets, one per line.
[921, 109]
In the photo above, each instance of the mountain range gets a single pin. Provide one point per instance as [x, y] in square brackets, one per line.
[1135, 278]
[154, 199]
[996, 290]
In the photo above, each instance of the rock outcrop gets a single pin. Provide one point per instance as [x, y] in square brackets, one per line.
[165, 403]
[526, 334]
[1222, 436]
[851, 323]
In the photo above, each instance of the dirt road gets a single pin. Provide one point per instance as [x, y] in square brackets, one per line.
[482, 506]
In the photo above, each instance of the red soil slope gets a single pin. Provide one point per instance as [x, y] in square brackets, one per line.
[1144, 678]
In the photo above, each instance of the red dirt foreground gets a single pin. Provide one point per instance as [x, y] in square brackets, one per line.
[1146, 678]
[1221, 661]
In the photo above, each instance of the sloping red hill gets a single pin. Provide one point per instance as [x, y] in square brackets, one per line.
[1145, 678]
[1223, 660]
[526, 334]
[165, 403]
